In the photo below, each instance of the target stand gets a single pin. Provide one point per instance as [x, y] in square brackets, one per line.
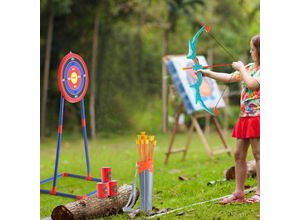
[73, 84]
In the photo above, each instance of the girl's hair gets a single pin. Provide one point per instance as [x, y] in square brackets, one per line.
[256, 43]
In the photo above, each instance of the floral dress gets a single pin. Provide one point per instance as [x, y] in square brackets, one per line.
[250, 99]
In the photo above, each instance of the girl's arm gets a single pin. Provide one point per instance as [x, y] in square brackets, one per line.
[224, 77]
[250, 82]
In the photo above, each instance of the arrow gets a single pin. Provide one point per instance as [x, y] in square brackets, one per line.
[207, 67]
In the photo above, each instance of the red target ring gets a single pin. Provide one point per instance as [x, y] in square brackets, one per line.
[73, 77]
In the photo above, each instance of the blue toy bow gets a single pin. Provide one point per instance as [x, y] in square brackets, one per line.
[197, 66]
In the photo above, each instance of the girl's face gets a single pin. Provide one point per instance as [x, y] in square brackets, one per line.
[253, 52]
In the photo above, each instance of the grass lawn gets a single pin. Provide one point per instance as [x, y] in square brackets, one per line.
[120, 153]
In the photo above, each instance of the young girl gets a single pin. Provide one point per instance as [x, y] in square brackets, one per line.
[247, 128]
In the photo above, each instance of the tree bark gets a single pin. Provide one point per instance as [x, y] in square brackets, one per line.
[229, 174]
[93, 207]
[93, 72]
[46, 75]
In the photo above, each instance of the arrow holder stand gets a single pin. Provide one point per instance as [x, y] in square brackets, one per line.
[145, 170]
[144, 167]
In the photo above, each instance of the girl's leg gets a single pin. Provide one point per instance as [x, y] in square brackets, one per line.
[240, 154]
[255, 144]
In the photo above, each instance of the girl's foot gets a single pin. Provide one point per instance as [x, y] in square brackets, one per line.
[255, 198]
[237, 197]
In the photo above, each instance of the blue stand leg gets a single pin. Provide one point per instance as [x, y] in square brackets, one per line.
[61, 112]
[56, 175]
[85, 137]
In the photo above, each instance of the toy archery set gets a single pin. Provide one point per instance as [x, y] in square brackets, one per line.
[73, 84]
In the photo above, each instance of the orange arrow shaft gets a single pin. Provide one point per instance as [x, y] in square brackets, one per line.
[212, 66]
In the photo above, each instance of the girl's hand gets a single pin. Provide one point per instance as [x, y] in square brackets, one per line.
[239, 66]
[204, 72]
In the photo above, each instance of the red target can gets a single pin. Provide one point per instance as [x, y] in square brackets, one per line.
[102, 190]
[113, 188]
[106, 174]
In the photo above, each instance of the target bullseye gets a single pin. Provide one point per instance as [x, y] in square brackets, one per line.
[72, 77]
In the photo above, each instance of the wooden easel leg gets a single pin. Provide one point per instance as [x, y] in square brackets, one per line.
[201, 135]
[219, 130]
[188, 141]
[164, 97]
[173, 133]
[207, 125]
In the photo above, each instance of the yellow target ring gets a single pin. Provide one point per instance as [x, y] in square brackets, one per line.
[74, 77]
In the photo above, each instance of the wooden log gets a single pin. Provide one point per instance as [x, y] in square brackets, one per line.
[93, 207]
[229, 174]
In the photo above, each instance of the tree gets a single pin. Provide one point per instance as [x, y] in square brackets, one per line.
[93, 70]
[53, 8]
[174, 8]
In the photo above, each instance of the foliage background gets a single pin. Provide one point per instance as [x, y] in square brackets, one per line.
[131, 39]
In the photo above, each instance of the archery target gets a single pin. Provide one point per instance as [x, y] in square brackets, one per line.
[72, 77]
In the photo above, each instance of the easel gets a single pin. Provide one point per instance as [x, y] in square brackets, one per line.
[195, 125]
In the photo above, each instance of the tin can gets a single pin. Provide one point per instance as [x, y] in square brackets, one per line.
[106, 174]
[113, 188]
[102, 190]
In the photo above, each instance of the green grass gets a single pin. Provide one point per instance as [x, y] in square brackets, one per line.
[120, 153]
